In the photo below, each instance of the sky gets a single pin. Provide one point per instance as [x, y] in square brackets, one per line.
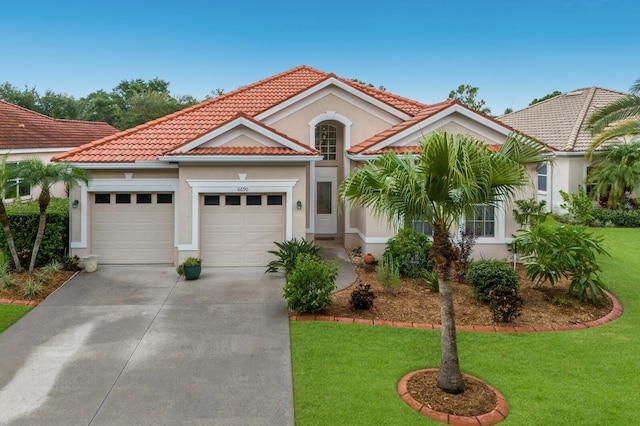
[513, 51]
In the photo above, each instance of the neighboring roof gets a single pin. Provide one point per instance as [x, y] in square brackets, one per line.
[21, 128]
[561, 121]
[157, 138]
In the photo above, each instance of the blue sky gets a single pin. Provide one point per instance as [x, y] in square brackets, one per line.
[514, 51]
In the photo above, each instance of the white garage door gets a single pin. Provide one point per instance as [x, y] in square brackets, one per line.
[237, 230]
[132, 227]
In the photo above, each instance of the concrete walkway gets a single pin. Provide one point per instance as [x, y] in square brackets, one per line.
[137, 346]
[346, 272]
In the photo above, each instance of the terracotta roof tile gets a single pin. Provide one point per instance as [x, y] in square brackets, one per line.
[21, 128]
[244, 150]
[408, 106]
[561, 122]
[415, 149]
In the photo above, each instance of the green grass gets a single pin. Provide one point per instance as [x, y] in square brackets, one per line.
[10, 314]
[346, 374]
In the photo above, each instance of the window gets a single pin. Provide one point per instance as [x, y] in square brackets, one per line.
[232, 200]
[542, 177]
[323, 197]
[274, 200]
[16, 187]
[103, 198]
[143, 198]
[123, 198]
[327, 141]
[482, 222]
[165, 198]
[254, 200]
[211, 200]
[422, 226]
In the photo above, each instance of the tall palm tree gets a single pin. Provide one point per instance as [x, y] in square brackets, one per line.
[452, 175]
[617, 119]
[37, 173]
[5, 176]
[616, 173]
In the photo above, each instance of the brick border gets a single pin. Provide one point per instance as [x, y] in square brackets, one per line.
[615, 313]
[32, 302]
[498, 414]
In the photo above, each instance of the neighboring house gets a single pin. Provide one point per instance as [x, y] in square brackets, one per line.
[26, 134]
[224, 179]
[561, 123]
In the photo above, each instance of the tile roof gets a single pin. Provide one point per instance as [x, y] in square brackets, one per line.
[244, 150]
[151, 140]
[21, 128]
[561, 122]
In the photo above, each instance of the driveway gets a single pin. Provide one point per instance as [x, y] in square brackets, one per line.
[133, 345]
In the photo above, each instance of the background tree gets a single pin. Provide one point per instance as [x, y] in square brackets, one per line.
[381, 87]
[545, 97]
[620, 118]
[37, 173]
[26, 98]
[452, 175]
[5, 177]
[508, 110]
[468, 94]
[616, 174]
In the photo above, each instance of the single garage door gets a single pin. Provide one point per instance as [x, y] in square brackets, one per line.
[133, 227]
[238, 230]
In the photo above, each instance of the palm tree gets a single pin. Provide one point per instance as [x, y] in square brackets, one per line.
[37, 173]
[623, 116]
[616, 173]
[452, 175]
[5, 176]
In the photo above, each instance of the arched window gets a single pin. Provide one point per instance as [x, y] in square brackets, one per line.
[327, 141]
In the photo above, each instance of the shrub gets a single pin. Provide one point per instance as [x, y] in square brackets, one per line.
[310, 283]
[389, 275]
[71, 263]
[622, 218]
[288, 252]
[484, 275]
[505, 304]
[362, 297]
[430, 279]
[410, 250]
[464, 246]
[579, 206]
[31, 287]
[530, 212]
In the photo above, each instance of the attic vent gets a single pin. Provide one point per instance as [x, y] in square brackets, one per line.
[577, 92]
[21, 125]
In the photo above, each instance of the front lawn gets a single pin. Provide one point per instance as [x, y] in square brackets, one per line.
[346, 374]
[11, 313]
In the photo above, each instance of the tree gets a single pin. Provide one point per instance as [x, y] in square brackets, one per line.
[37, 173]
[452, 175]
[545, 97]
[619, 118]
[5, 176]
[26, 98]
[381, 87]
[508, 110]
[616, 174]
[467, 94]
[59, 105]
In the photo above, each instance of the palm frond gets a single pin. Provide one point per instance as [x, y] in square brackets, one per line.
[627, 127]
[635, 87]
[619, 110]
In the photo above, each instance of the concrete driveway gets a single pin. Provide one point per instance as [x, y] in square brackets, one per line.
[136, 346]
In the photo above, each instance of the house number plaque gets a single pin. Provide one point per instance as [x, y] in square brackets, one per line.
[243, 189]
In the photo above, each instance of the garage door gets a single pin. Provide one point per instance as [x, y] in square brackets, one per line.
[238, 230]
[133, 227]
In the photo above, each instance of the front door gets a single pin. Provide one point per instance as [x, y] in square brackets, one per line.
[326, 214]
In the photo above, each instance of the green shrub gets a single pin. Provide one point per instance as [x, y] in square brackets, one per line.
[288, 252]
[505, 303]
[71, 263]
[579, 206]
[530, 212]
[621, 218]
[24, 219]
[389, 275]
[310, 283]
[362, 297]
[410, 250]
[484, 275]
[431, 280]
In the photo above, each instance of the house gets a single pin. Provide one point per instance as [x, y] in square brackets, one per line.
[224, 179]
[26, 134]
[561, 122]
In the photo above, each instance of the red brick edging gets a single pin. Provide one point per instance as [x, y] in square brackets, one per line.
[616, 312]
[31, 302]
[498, 414]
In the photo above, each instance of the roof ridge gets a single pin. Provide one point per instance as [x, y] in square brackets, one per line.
[573, 136]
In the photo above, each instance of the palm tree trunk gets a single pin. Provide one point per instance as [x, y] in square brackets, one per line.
[43, 200]
[4, 219]
[450, 377]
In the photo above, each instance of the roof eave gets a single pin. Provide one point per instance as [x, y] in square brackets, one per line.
[199, 159]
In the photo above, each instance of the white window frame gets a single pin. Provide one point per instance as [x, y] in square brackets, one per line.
[544, 175]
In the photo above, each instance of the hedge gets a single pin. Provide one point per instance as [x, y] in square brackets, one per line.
[622, 218]
[23, 221]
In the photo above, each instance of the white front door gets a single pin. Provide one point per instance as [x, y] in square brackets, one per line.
[326, 214]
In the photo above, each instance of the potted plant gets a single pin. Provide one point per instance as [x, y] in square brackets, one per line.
[190, 268]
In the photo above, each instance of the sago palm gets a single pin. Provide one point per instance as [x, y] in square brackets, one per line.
[620, 118]
[452, 175]
[45, 176]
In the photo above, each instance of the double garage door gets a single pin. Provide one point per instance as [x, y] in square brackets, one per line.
[239, 229]
[138, 228]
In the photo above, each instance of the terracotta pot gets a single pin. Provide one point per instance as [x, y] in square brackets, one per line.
[369, 259]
